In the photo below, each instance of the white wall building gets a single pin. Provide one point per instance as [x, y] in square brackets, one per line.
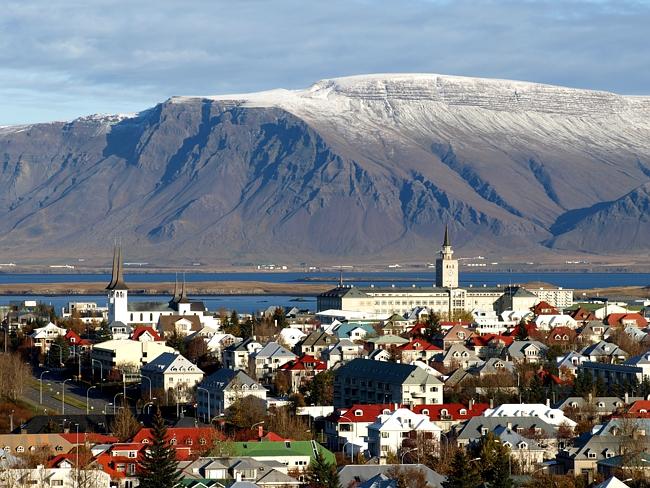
[171, 371]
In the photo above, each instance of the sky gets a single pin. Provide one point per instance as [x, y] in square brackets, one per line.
[67, 58]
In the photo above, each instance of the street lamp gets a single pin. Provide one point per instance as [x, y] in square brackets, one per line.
[107, 405]
[11, 422]
[149, 380]
[88, 399]
[101, 368]
[63, 396]
[115, 401]
[151, 403]
[407, 451]
[257, 423]
[60, 352]
[40, 386]
[208, 395]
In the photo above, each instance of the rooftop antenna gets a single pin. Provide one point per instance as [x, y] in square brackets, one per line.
[341, 277]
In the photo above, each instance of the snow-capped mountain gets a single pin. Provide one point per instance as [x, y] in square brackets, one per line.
[365, 167]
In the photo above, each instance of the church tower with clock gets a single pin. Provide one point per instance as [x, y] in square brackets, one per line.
[446, 265]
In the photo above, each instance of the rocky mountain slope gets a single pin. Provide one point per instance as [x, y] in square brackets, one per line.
[365, 168]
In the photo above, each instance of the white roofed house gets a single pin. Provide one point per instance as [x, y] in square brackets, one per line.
[389, 432]
[291, 336]
[528, 453]
[569, 363]
[218, 342]
[170, 371]
[548, 322]
[44, 336]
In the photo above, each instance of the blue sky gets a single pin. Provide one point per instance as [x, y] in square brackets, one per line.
[66, 58]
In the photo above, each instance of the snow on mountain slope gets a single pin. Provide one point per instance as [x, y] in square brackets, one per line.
[368, 167]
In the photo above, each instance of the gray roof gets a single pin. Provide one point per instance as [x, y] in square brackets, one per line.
[318, 338]
[149, 307]
[386, 371]
[604, 349]
[516, 349]
[273, 349]
[489, 367]
[609, 403]
[364, 472]
[223, 378]
[514, 439]
[343, 291]
[240, 346]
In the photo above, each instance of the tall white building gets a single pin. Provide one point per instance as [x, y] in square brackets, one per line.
[118, 292]
[446, 265]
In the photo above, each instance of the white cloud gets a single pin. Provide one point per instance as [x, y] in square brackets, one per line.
[101, 56]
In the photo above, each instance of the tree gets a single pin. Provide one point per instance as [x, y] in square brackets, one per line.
[522, 333]
[463, 472]
[246, 411]
[196, 349]
[177, 341]
[58, 353]
[495, 465]
[279, 319]
[321, 388]
[125, 425]
[14, 376]
[407, 477]
[322, 474]
[159, 468]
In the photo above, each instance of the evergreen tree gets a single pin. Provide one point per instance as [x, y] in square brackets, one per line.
[58, 353]
[463, 473]
[495, 467]
[322, 474]
[522, 333]
[159, 468]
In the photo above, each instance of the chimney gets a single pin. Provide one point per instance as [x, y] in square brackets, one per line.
[260, 431]
[491, 402]
[548, 402]
[509, 425]
[471, 404]
[591, 398]
[395, 406]
[627, 398]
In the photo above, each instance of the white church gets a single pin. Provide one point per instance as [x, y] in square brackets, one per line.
[148, 313]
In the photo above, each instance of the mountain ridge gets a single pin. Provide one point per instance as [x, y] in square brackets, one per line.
[368, 167]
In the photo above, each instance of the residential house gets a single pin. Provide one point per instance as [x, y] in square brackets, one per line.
[64, 477]
[119, 330]
[562, 336]
[187, 442]
[593, 331]
[296, 455]
[178, 324]
[418, 350]
[267, 360]
[626, 319]
[343, 351]
[236, 356]
[302, 370]
[456, 335]
[355, 474]
[494, 366]
[548, 322]
[211, 472]
[552, 416]
[291, 336]
[127, 353]
[569, 363]
[43, 337]
[121, 461]
[449, 415]
[387, 434]
[315, 342]
[144, 333]
[544, 308]
[528, 453]
[224, 387]
[348, 427]
[368, 381]
[354, 331]
[526, 351]
[171, 371]
[490, 345]
[604, 352]
[457, 356]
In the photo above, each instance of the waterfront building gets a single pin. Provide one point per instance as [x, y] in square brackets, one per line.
[445, 297]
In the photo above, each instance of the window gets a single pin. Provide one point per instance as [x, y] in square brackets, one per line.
[20, 449]
[56, 483]
[384, 435]
[591, 455]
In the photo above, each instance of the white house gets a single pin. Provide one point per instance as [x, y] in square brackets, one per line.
[548, 322]
[388, 432]
[44, 336]
[268, 359]
[224, 387]
[171, 371]
[236, 355]
[553, 416]
[291, 336]
[64, 477]
[127, 353]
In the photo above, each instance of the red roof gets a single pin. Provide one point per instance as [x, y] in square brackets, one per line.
[186, 440]
[484, 340]
[544, 308]
[582, 314]
[304, 363]
[531, 330]
[90, 437]
[614, 319]
[419, 345]
[640, 407]
[561, 331]
[361, 413]
[456, 411]
[145, 328]
[56, 460]
[418, 329]
[109, 462]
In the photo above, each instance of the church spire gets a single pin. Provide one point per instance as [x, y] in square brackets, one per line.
[175, 297]
[182, 298]
[117, 278]
[446, 242]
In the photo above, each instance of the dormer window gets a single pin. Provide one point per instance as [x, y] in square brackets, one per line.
[601, 404]
[463, 411]
[591, 455]
[425, 411]
[444, 412]
[358, 413]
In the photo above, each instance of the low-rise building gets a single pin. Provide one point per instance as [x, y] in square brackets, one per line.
[127, 353]
[224, 387]
[171, 371]
[368, 381]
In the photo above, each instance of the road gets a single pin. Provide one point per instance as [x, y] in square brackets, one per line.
[74, 392]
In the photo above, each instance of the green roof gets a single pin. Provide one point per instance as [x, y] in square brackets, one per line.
[257, 449]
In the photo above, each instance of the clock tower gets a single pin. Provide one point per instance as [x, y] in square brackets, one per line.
[446, 265]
